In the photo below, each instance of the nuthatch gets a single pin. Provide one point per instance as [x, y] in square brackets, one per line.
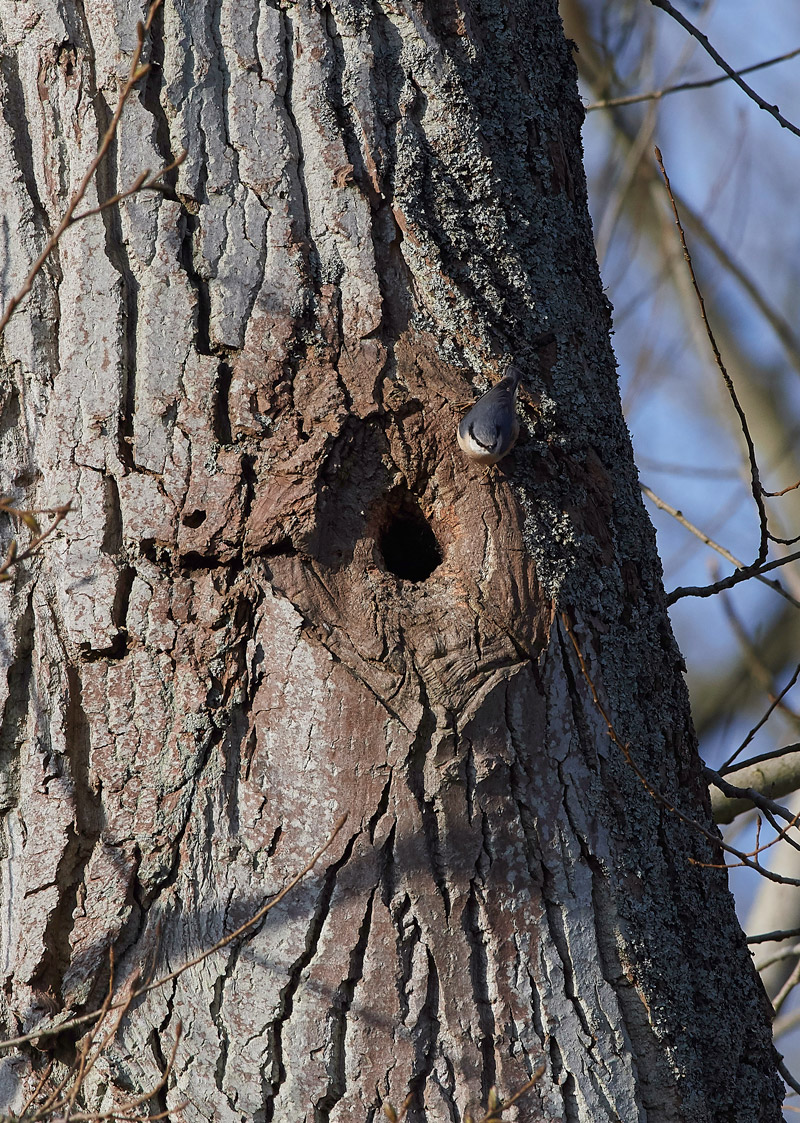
[491, 427]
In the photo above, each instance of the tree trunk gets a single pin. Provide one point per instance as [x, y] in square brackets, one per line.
[283, 594]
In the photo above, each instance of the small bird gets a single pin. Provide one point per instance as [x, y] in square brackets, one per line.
[491, 427]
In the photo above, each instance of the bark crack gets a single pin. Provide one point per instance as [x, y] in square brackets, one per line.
[558, 931]
[337, 1019]
[479, 974]
[15, 711]
[221, 418]
[82, 836]
[415, 773]
[151, 96]
[295, 978]
[409, 936]
[186, 257]
[288, 93]
[380, 810]
[159, 1056]
[425, 1035]
[15, 112]
[565, 1081]
[117, 254]
[219, 1023]
[223, 83]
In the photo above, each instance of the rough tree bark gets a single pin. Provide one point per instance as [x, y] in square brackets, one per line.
[283, 594]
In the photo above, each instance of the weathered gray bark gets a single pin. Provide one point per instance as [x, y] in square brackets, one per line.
[249, 392]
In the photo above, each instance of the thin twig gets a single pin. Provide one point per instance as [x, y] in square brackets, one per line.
[783, 491]
[745, 572]
[769, 937]
[752, 658]
[13, 558]
[141, 183]
[786, 989]
[83, 1019]
[135, 73]
[773, 754]
[741, 800]
[787, 1076]
[744, 859]
[262, 912]
[785, 541]
[37, 1089]
[762, 721]
[763, 805]
[702, 39]
[699, 229]
[496, 1113]
[756, 487]
[55, 1101]
[757, 798]
[703, 83]
[777, 957]
[783, 1025]
[128, 1109]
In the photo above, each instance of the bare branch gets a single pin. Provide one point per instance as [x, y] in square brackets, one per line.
[755, 485]
[787, 1076]
[744, 859]
[125, 1111]
[745, 572]
[786, 989]
[701, 84]
[775, 702]
[756, 787]
[783, 491]
[777, 957]
[136, 72]
[773, 754]
[734, 75]
[497, 1108]
[141, 183]
[769, 937]
[36, 1091]
[13, 558]
[97, 1015]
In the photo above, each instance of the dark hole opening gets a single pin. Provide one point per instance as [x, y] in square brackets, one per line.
[409, 547]
[194, 519]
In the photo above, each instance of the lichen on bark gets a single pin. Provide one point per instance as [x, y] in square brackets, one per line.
[244, 385]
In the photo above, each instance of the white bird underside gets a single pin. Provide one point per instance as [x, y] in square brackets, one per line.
[491, 427]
